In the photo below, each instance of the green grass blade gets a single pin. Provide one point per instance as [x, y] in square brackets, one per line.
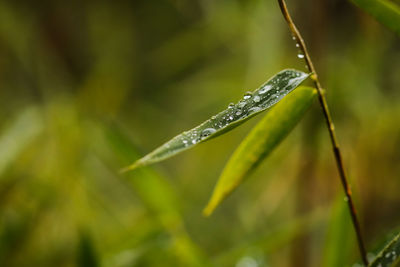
[389, 255]
[339, 240]
[252, 103]
[273, 238]
[157, 194]
[261, 141]
[385, 11]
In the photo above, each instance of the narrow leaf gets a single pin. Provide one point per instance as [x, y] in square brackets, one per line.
[252, 103]
[260, 142]
[385, 11]
[389, 255]
[339, 238]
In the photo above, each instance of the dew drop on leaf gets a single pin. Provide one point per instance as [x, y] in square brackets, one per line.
[254, 109]
[264, 89]
[206, 132]
[247, 95]
[241, 104]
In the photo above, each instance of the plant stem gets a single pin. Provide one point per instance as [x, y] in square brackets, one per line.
[331, 128]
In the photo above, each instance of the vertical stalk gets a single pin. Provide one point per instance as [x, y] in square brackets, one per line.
[331, 128]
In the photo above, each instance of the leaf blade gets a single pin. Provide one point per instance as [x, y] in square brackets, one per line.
[386, 12]
[264, 97]
[262, 139]
[339, 238]
[389, 255]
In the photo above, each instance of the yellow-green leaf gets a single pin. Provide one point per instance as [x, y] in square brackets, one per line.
[385, 11]
[261, 141]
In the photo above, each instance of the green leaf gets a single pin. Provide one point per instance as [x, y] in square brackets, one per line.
[252, 103]
[389, 255]
[339, 236]
[260, 142]
[273, 238]
[385, 11]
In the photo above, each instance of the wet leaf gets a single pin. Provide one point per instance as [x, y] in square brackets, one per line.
[251, 104]
[389, 255]
[260, 142]
[385, 11]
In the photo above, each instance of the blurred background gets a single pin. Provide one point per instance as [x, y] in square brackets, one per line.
[88, 87]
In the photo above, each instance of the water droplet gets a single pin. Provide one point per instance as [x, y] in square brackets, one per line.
[254, 109]
[294, 37]
[238, 113]
[206, 132]
[231, 105]
[242, 104]
[247, 261]
[265, 89]
[194, 141]
[387, 255]
[213, 117]
[230, 118]
[370, 256]
[297, 45]
[247, 95]
[257, 99]
[300, 55]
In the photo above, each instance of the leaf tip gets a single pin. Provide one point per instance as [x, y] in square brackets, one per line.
[208, 210]
[212, 205]
[130, 167]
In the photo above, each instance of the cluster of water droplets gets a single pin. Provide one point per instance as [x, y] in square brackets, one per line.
[391, 255]
[251, 103]
[300, 53]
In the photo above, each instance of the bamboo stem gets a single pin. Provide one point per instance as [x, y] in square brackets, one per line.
[331, 128]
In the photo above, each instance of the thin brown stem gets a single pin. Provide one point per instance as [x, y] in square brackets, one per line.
[331, 128]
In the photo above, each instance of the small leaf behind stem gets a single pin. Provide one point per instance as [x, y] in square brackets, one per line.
[260, 142]
[251, 104]
[385, 11]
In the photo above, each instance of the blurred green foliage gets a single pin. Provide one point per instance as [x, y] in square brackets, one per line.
[88, 87]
